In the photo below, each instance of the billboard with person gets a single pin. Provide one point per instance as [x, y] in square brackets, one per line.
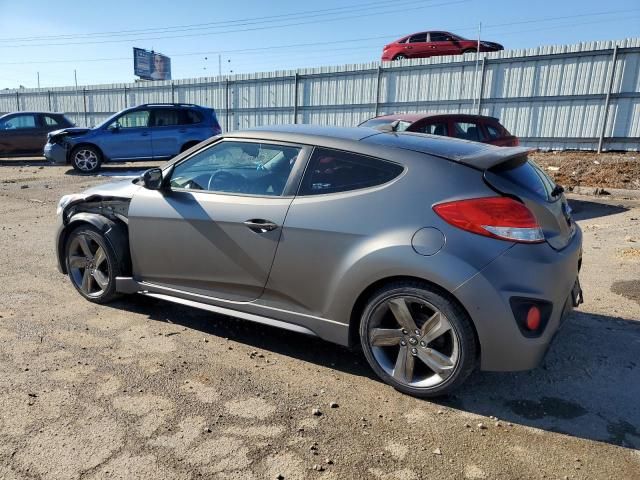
[151, 65]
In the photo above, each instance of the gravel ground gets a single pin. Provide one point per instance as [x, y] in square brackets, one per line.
[588, 169]
[146, 389]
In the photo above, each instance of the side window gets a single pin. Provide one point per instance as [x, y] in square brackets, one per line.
[136, 119]
[189, 117]
[468, 131]
[237, 167]
[165, 117]
[50, 121]
[332, 171]
[19, 122]
[439, 37]
[418, 38]
[493, 132]
[437, 128]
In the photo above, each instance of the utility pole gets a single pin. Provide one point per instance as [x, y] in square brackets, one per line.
[219, 65]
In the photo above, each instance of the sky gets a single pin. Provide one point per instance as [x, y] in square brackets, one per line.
[95, 39]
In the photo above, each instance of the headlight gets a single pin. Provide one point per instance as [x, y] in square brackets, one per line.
[64, 201]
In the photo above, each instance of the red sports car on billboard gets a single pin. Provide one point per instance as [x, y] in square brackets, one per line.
[429, 44]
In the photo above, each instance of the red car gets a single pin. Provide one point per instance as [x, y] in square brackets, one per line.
[429, 44]
[477, 128]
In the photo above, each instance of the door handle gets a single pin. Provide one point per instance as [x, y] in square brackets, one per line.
[260, 226]
[408, 48]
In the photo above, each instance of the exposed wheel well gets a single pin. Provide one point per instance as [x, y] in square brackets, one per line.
[114, 232]
[359, 305]
[86, 144]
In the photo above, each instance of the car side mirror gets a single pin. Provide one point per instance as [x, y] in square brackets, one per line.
[152, 179]
[114, 127]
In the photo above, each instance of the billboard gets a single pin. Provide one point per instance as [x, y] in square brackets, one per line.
[151, 65]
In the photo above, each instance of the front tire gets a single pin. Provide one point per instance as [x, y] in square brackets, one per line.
[86, 159]
[91, 264]
[417, 339]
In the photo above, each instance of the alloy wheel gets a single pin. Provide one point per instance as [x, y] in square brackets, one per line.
[86, 160]
[413, 341]
[88, 265]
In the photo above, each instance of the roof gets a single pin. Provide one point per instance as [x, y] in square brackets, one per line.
[414, 117]
[30, 112]
[474, 154]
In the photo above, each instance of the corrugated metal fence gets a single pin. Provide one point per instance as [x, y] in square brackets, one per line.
[558, 97]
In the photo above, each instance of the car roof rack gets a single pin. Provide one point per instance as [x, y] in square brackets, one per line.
[160, 104]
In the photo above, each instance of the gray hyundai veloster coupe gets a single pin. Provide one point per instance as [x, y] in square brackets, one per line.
[436, 255]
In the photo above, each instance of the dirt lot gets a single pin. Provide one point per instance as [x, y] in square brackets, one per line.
[588, 169]
[146, 389]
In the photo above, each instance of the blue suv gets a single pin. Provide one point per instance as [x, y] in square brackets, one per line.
[145, 132]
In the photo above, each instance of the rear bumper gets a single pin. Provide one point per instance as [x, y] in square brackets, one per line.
[530, 271]
[55, 153]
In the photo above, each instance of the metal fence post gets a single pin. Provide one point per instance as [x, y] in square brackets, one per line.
[378, 85]
[173, 100]
[84, 105]
[607, 99]
[18, 101]
[481, 86]
[226, 104]
[296, 79]
[125, 97]
[49, 99]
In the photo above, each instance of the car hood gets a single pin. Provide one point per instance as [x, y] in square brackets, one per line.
[119, 189]
[69, 131]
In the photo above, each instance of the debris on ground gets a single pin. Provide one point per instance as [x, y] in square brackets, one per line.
[589, 169]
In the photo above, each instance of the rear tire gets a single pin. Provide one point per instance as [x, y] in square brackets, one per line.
[400, 57]
[86, 159]
[469, 50]
[417, 339]
[91, 264]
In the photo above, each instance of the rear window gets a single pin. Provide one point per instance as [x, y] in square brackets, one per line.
[493, 132]
[191, 116]
[527, 175]
[468, 131]
[378, 122]
[333, 171]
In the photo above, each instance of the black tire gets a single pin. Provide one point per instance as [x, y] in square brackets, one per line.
[102, 272]
[469, 50]
[400, 57]
[86, 159]
[461, 330]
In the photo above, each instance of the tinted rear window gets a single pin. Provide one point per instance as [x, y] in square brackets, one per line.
[332, 171]
[527, 175]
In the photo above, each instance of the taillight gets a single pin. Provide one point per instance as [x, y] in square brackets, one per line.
[497, 217]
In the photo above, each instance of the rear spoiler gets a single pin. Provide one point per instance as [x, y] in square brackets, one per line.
[491, 157]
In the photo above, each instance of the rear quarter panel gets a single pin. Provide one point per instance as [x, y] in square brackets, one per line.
[334, 246]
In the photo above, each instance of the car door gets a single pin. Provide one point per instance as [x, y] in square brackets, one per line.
[20, 135]
[128, 137]
[214, 229]
[416, 46]
[441, 43]
[166, 131]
